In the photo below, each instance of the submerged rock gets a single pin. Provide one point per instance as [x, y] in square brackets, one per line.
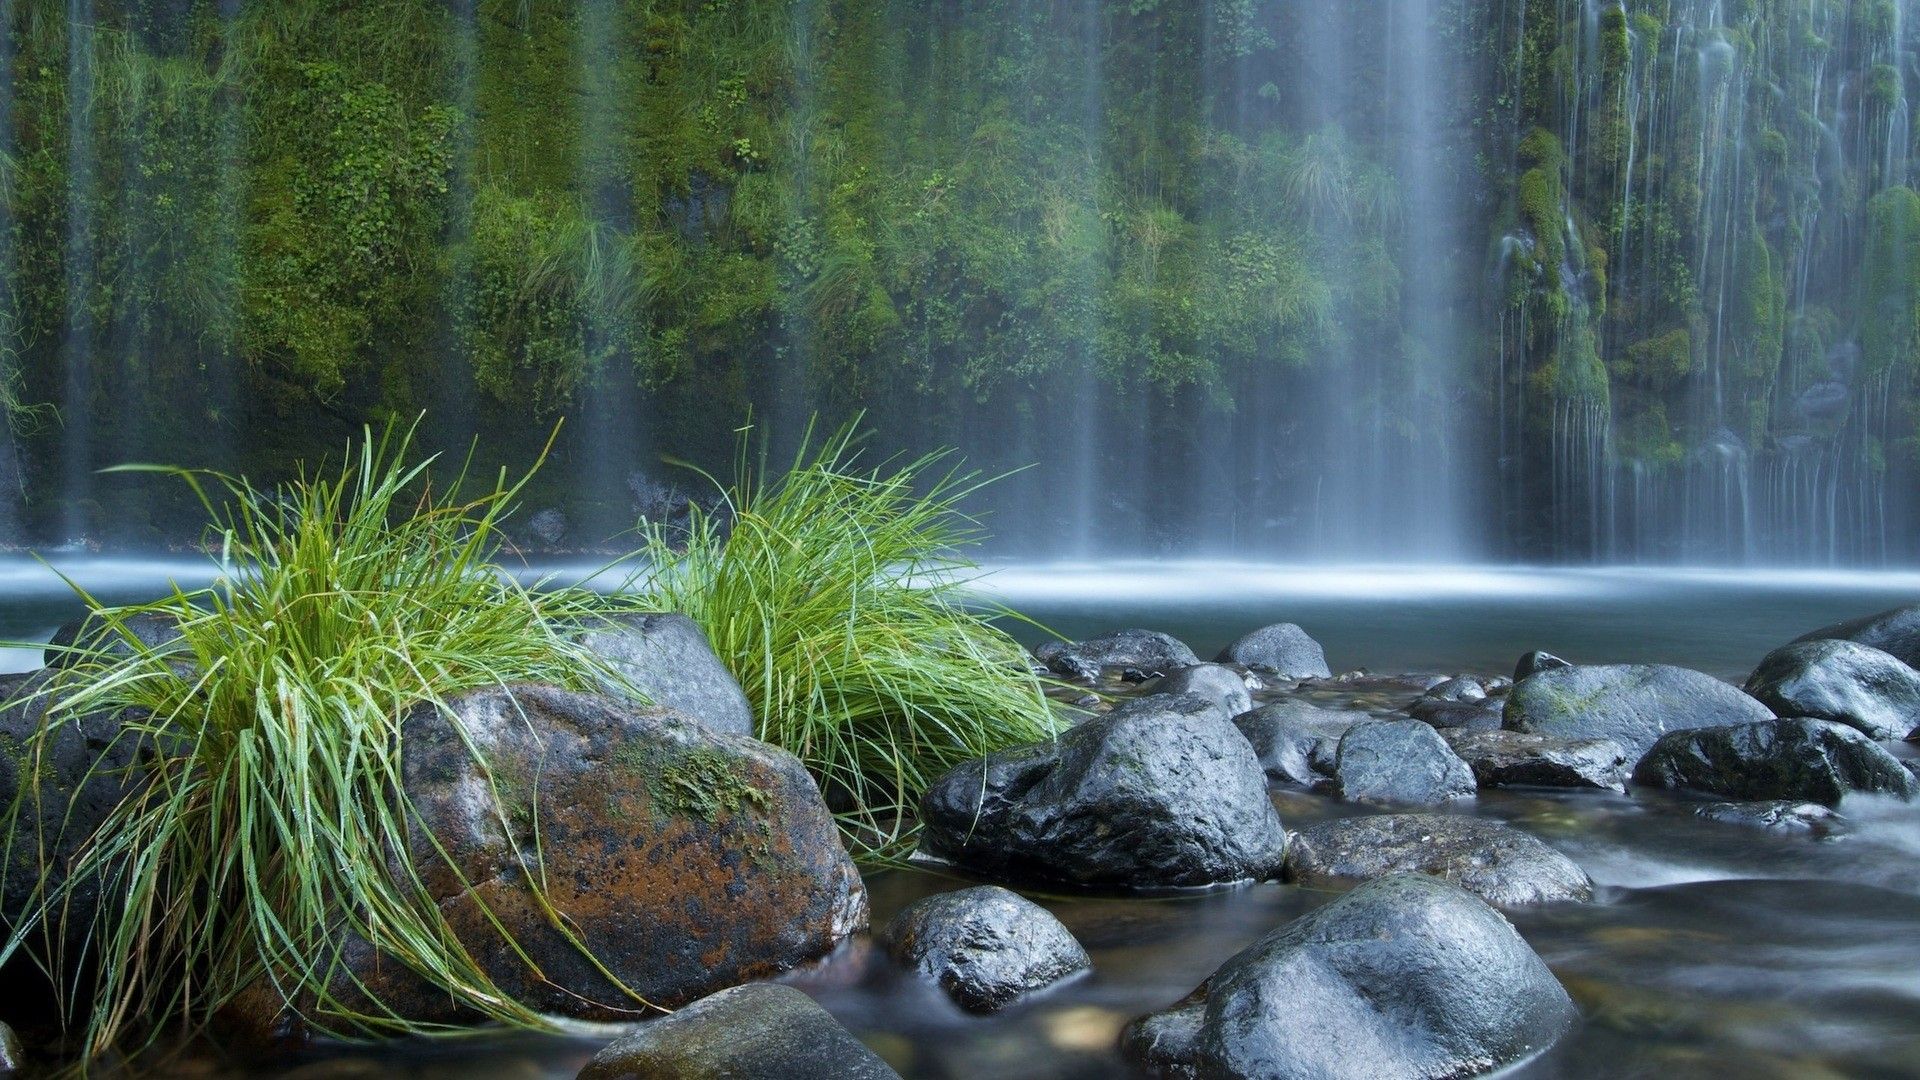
[1496, 862]
[1146, 652]
[1843, 681]
[1136, 799]
[1536, 662]
[1282, 649]
[756, 1032]
[1802, 760]
[1297, 743]
[1399, 761]
[1896, 632]
[685, 860]
[1221, 684]
[984, 946]
[154, 631]
[1781, 815]
[1521, 759]
[666, 657]
[1632, 704]
[1406, 976]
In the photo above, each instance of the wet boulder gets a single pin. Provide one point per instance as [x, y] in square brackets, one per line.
[984, 946]
[667, 658]
[92, 634]
[1496, 862]
[757, 1032]
[13, 1058]
[1399, 761]
[1778, 815]
[1535, 662]
[1222, 684]
[1147, 652]
[1406, 976]
[1445, 715]
[1632, 704]
[685, 860]
[1295, 741]
[1135, 799]
[1896, 632]
[1459, 688]
[1164, 704]
[1520, 759]
[1798, 759]
[1282, 649]
[1843, 681]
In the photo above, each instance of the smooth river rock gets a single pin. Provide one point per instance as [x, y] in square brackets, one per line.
[1496, 862]
[1399, 761]
[1843, 681]
[1797, 759]
[1404, 977]
[13, 1058]
[667, 658]
[756, 1032]
[1297, 742]
[985, 946]
[1521, 759]
[1135, 799]
[1896, 631]
[1535, 662]
[1779, 815]
[1442, 714]
[1145, 652]
[1459, 688]
[1223, 685]
[1282, 649]
[1632, 704]
[685, 860]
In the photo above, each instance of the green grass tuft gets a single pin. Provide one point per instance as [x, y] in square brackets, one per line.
[837, 595]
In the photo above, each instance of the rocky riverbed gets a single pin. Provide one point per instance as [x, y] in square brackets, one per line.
[1576, 870]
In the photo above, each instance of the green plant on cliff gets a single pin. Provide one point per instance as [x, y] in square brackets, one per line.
[836, 592]
[268, 827]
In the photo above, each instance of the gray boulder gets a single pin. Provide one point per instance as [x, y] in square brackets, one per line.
[1444, 715]
[666, 657]
[1780, 815]
[1138, 799]
[1632, 704]
[984, 946]
[1496, 862]
[1801, 760]
[1406, 976]
[1535, 662]
[1520, 759]
[1282, 649]
[1297, 743]
[1399, 761]
[1843, 681]
[1222, 684]
[1459, 688]
[1145, 652]
[1896, 632]
[756, 1032]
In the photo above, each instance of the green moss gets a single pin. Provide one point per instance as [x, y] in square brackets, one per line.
[697, 782]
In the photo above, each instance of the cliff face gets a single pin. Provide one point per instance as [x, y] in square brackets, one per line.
[1551, 278]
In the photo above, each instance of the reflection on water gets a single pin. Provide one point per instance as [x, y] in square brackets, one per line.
[1713, 950]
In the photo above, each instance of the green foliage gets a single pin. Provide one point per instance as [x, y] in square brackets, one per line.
[1890, 325]
[837, 595]
[271, 832]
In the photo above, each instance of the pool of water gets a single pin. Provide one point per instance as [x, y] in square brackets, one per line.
[1712, 950]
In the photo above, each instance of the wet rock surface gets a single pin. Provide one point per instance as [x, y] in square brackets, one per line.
[1801, 760]
[1522, 759]
[1781, 815]
[985, 946]
[667, 658]
[1282, 649]
[1223, 685]
[1896, 631]
[1498, 863]
[1843, 681]
[1146, 653]
[1632, 704]
[1445, 715]
[755, 1032]
[1297, 742]
[684, 859]
[1406, 976]
[1399, 762]
[1138, 799]
[13, 1057]
[1535, 662]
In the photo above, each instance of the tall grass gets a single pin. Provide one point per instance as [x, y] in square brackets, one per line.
[836, 593]
[270, 826]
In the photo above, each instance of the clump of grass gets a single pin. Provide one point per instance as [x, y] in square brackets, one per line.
[270, 826]
[837, 595]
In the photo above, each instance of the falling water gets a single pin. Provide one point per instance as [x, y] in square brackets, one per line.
[76, 403]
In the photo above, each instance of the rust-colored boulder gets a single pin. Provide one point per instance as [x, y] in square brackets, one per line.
[685, 860]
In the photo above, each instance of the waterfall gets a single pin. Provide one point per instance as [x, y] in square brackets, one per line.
[77, 403]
